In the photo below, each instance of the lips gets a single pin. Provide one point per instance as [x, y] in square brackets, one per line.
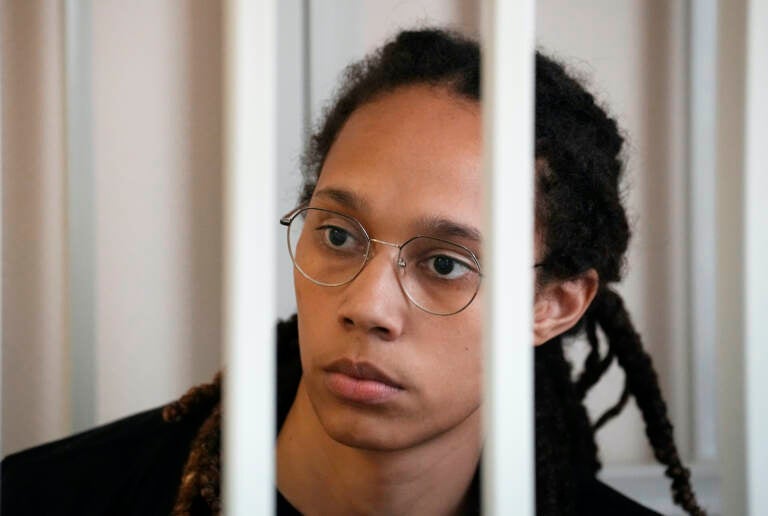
[360, 382]
[361, 371]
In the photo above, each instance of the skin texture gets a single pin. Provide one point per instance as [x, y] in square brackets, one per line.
[407, 155]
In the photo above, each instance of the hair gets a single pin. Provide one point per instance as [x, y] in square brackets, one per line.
[582, 225]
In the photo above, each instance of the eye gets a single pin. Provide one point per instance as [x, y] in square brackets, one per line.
[338, 238]
[447, 267]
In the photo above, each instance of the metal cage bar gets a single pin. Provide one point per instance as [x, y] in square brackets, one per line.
[756, 257]
[249, 292]
[508, 80]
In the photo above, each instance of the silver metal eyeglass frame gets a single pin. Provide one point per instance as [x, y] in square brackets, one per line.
[288, 218]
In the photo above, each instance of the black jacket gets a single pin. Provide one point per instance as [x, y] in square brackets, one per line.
[133, 466]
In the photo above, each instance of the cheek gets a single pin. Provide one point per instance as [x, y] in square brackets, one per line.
[453, 394]
[454, 371]
[314, 312]
[311, 299]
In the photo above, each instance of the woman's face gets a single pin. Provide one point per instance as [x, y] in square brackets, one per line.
[400, 163]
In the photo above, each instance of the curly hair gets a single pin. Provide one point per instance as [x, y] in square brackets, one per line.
[200, 479]
[583, 226]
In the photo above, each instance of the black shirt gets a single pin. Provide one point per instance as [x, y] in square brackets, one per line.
[133, 466]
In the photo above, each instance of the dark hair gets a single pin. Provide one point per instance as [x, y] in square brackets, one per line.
[583, 226]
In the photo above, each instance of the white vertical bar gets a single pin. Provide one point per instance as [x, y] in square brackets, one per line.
[80, 215]
[2, 220]
[702, 89]
[756, 257]
[249, 311]
[508, 89]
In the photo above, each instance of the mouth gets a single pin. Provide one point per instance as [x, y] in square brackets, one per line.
[360, 382]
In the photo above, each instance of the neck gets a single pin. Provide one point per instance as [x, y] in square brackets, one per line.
[319, 475]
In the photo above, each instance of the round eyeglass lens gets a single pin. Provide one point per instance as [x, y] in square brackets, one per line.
[327, 247]
[440, 277]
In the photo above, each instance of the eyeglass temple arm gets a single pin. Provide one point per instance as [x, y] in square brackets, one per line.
[285, 220]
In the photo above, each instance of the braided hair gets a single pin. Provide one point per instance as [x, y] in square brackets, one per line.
[200, 479]
[582, 225]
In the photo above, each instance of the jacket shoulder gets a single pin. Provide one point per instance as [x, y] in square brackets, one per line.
[107, 470]
[107, 435]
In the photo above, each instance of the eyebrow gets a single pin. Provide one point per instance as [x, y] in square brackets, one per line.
[345, 198]
[443, 227]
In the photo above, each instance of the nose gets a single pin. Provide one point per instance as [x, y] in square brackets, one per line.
[374, 302]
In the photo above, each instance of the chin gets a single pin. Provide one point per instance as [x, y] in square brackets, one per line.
[375, 431]
[367, 442]
[371, 433]
[368, 428]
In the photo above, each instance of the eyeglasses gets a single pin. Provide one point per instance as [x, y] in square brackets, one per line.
[330, 249]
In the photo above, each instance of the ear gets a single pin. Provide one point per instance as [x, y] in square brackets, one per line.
[559, 305]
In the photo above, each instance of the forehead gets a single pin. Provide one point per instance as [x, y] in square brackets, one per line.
[411, 153]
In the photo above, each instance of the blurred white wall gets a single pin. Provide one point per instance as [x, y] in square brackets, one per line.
[157, 154]
[157, 169]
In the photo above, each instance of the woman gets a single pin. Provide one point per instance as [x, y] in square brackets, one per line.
[380, 371]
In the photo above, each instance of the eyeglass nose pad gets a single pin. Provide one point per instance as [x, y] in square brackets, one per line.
[401, 262]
